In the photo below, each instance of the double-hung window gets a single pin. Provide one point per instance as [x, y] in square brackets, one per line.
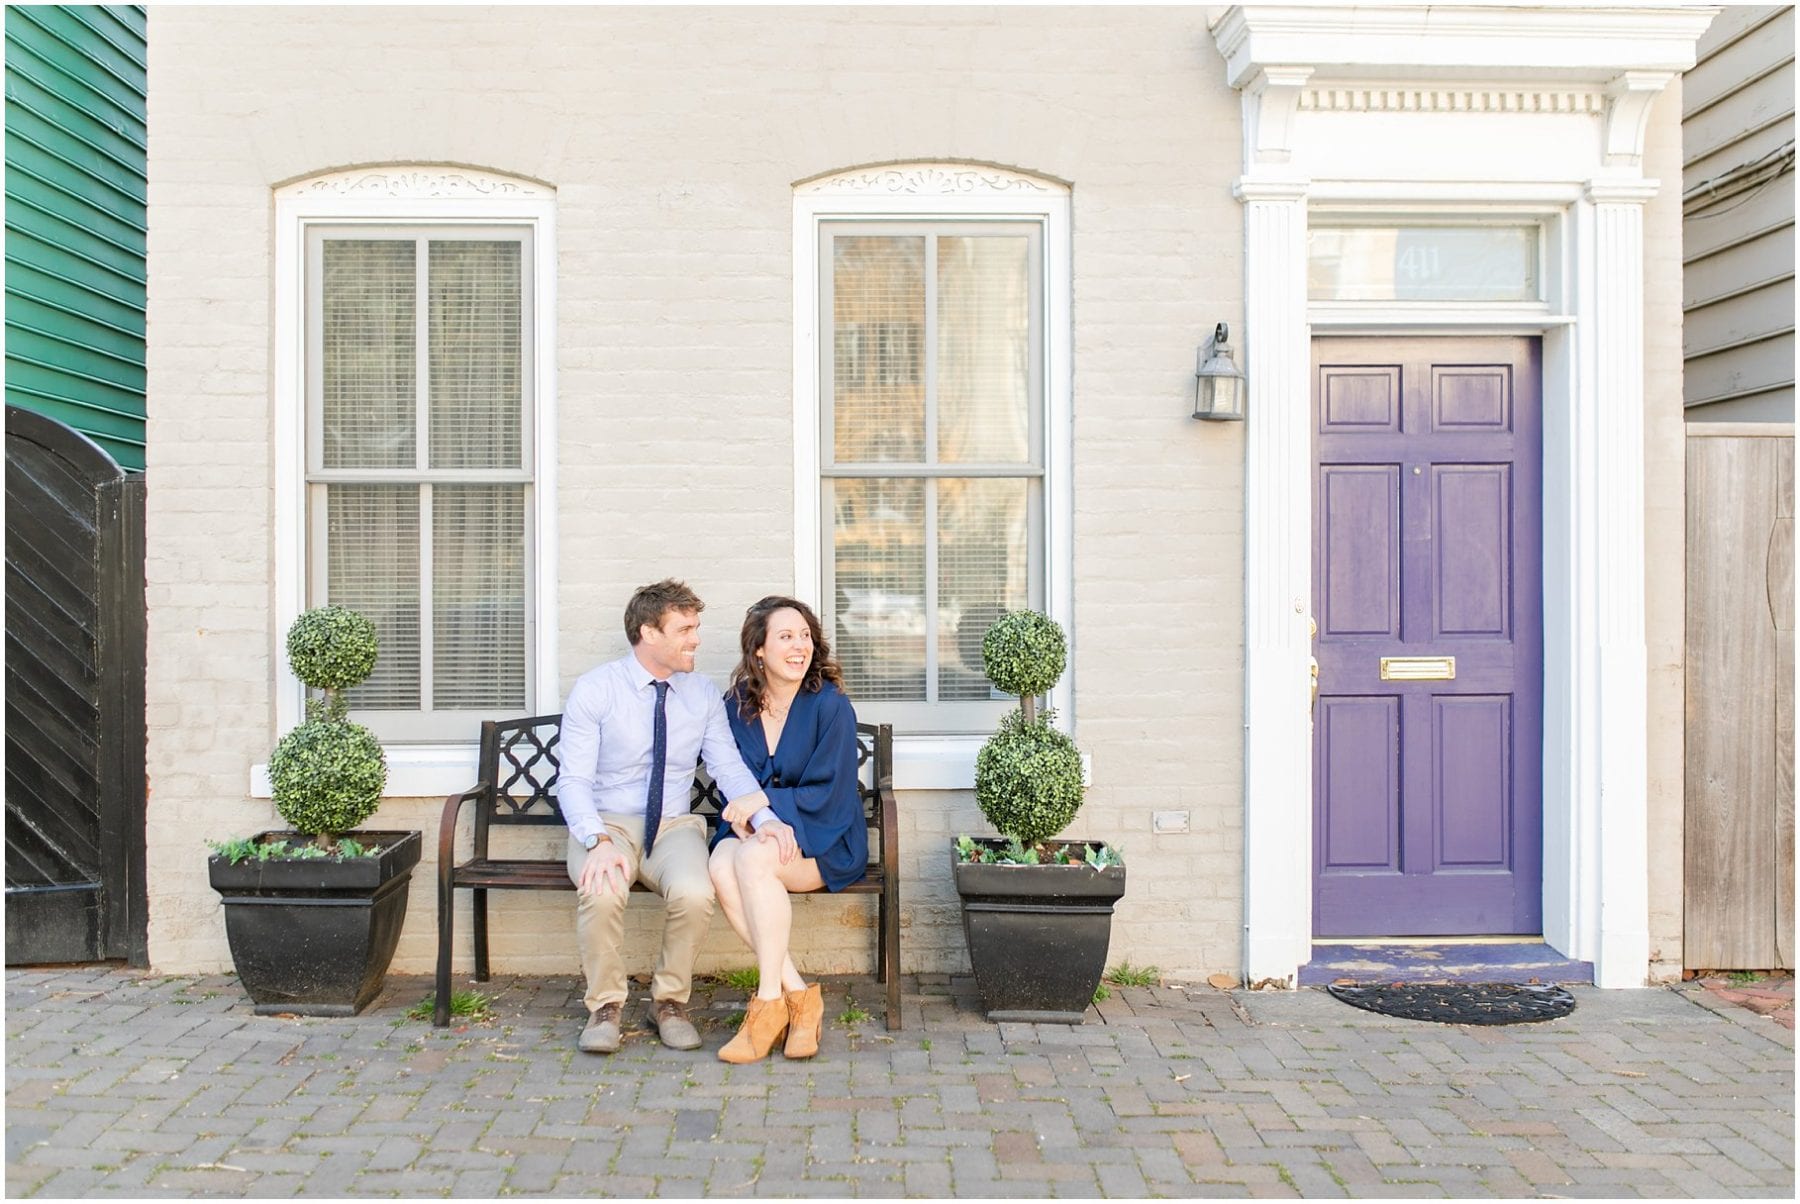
[938, 399]
[412, 373]
[419, 466]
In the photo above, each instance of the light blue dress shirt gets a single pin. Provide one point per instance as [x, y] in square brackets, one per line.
[605, 745]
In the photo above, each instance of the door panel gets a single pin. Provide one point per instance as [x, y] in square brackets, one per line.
[1426, 519]
[1360, 742]
[1472, 534]
[1472, 741]
[1360, 522]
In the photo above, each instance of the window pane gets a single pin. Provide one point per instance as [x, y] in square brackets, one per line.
[983, 527]
[373, 533]
[478, 596]
[1422, 263]
[878, 550]
[984, 349]
[367, 376]
[476, 357]
[878, 367]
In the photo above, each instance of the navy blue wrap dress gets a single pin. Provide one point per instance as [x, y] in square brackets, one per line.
[810, 779]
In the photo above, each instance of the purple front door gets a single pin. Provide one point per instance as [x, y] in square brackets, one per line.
[1427, 732]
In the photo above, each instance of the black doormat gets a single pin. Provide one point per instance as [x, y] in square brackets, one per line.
[1460, 1002]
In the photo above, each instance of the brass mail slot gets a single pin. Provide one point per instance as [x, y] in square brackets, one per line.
[1418, 668]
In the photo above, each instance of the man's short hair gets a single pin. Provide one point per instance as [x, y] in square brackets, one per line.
[652, 602]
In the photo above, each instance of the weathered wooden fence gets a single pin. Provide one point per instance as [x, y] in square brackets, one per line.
[74, 698]
[1739, 861]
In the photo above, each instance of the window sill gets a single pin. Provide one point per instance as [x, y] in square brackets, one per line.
[437, 770]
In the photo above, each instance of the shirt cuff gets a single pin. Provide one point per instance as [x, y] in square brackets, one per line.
[762, 817]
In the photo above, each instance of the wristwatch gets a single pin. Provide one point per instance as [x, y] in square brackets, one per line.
[593, 842]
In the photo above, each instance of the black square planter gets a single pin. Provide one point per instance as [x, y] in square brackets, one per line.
[1037, 935]
[314, 937]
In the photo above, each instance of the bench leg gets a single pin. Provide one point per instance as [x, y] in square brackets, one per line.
[890, 959]
[440, 1010]
[480, 925]
[881, 923]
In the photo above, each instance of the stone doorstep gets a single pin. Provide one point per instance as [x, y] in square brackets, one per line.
[1445, 961]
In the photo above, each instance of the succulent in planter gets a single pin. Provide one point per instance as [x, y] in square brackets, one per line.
[1028, 775]
[328, 773]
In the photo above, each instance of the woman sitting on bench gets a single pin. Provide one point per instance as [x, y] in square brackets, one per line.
[797, 733]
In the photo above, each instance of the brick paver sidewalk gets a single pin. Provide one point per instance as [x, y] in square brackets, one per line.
[123, 1084]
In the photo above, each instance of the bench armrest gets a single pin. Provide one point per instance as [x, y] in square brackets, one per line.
[890, 836]
[447, 826]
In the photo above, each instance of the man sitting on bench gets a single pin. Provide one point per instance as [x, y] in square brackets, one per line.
[632, 731]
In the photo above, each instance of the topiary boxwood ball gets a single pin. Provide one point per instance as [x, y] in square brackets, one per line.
[1024, 652]
[327, 776]
[1028, 778]
[332, 648]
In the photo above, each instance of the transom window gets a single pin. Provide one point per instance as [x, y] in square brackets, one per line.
[419, 471]
[932, 456]
[1424, 261]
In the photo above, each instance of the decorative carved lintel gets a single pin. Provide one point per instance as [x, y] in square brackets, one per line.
[927, 179]
[418, 183]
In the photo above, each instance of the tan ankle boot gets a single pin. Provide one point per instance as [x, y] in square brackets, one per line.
[806, 1020]
[764, 1022]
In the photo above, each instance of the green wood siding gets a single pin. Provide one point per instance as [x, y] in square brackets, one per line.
[75, 168]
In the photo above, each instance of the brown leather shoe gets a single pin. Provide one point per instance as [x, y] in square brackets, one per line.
[602, 1032]
[806, 1021]
[670, 1020]
[764, 1022]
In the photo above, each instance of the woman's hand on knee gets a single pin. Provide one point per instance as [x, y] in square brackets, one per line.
[782, 836]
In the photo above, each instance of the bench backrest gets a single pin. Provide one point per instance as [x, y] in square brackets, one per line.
[519, 762]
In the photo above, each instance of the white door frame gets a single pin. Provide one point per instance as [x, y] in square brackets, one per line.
[1329, 95]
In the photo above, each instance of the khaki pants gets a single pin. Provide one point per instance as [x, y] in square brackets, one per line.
[676, 870]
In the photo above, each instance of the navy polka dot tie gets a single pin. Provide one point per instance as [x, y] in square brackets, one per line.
[659, 753]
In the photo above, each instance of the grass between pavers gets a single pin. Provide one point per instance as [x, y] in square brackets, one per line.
[1127, 975]
[746, 979]
[467, 1005]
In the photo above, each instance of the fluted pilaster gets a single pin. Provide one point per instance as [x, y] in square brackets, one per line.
[1277, 581]
[1617, 692]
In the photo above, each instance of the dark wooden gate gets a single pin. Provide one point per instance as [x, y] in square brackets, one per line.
[74, 698]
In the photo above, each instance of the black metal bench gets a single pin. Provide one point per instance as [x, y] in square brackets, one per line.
[518, 775]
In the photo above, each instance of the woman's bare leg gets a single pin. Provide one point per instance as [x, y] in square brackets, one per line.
[724, 868]
[763, 884]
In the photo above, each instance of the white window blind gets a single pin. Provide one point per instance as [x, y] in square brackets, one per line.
[419, 473]
[933, 467]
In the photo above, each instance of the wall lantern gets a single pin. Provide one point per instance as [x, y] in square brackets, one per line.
[1218, 382]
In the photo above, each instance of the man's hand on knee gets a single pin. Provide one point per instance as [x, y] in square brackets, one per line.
[604, 870]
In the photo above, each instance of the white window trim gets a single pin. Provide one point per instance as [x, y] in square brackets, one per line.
[414, 196]
[922, 192]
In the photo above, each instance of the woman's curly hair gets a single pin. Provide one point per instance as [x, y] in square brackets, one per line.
[749, 678]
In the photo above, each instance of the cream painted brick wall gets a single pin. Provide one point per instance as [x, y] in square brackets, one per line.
[1665, 533]
[673, 139]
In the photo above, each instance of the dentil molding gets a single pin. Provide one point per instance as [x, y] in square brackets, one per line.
[1423, 98]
